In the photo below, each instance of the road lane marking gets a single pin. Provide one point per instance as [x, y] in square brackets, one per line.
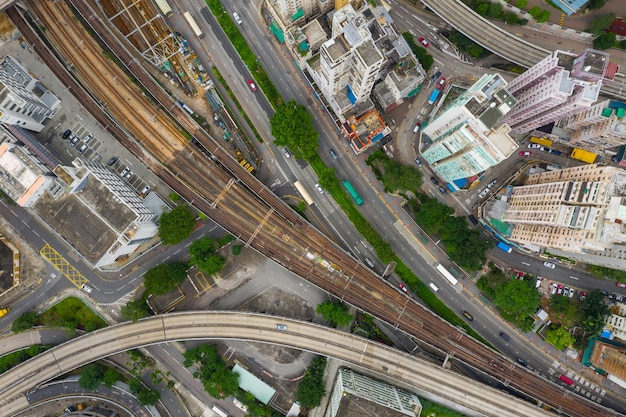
[576, 278]
[525, 263]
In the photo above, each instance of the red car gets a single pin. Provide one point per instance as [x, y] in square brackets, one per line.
[252, 85]
[442, 81]
[404, 288]
[525, 153]
[621, 284]
[424, 42]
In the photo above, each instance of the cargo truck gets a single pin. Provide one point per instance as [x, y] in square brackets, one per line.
[504, 247]
[433, 97]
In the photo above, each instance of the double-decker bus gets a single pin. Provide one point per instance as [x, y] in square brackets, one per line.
[357, 198]
[447, 275]
[303, 192]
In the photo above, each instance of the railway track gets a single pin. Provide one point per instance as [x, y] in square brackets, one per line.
[232, 197]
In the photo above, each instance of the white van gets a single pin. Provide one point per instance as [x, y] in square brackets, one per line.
[433, 287]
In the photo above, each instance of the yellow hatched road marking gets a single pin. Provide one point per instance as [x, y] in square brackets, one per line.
[62, 265]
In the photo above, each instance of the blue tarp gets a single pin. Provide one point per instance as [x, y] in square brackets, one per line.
[460, 183]
[351, 95]
[605, 334]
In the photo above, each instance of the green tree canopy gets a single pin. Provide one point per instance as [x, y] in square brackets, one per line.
[135, 310]
[594, 313]
[24, 322]
[292, 126]
[311, 388]
[217, 379]
[517, 301]
[600, 23]
[111, 376]
[202, 254]
[492, 280]
[145, 395]
[176, 226]
[422, 55]
[560, 338]
[397, 178]
[335, 312]
[605, 41]
[91, 377]
[163, 278]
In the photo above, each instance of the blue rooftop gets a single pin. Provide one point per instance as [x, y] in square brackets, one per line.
[569, 7]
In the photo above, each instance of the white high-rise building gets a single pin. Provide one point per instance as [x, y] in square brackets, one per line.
[291, 11]
[462, 141]
[559, 86]
[24, 101]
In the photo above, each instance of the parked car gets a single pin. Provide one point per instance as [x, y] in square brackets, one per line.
[418, 162]
[436, 75]
[404, 288]
[333, 154]
[617, 297]
[286, 153]
[319, 188]
[83, 148]
[603, 292]
[549, 265]
[424, 42]
[534, 146]
[565, 291]
[555, 152]
[128, 174]
[88, 138]
[553, 288]
[492, 183]
[417, 127]
[434, 180]
[582, 296]
[571, 293]
[252, 85]
[74, 140]
[525, 153]
[145, 190]
[559, 289]
[538, 282]
[112, 160]
[124, 172]
[441, 83]
[483, 193]
[442, 190]
[66, 134]
[621, 284]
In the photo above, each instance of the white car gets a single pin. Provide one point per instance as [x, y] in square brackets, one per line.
[534, 146]
[571, 293]
[286, 153]
[237, 18]
[538, 283]
[553, 288]
[549, 265]
[319, 188]
[87, 288]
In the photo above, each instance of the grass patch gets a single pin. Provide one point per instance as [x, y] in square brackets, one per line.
[71, 313]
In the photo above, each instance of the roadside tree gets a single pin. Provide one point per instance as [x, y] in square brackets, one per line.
[145, 395]
[594, 313]
[24, 322]
[311, 388]
[176, 226]
[163, 278]
[335, 312]
[202, 254]
[600, 23]
[135, 310]
[517, 301]
[292, 126]
[605, 41]
[91, 377]
[559, 337]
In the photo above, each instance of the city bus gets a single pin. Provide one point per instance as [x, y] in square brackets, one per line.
[303, 192]
[164, 7]
[447, 275]
[357, 198]
[193, 25]
[219, 411]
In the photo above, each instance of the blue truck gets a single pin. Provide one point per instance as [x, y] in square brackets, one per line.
[433, 97]
[504, 247]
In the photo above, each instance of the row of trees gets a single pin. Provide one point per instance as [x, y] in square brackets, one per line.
[93, 375]
[422, 55]
[464, 246]
[395, 177]
[494, 10]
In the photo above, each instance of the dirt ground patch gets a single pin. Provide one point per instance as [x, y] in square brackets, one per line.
[274, 301]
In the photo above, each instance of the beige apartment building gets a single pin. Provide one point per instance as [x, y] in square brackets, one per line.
[576, 212]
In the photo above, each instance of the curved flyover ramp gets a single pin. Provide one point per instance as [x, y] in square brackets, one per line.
[501, 42]
[359, 352]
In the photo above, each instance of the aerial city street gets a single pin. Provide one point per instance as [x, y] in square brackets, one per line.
[312, 208]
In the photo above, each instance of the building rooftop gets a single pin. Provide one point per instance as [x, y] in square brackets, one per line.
[337, 47]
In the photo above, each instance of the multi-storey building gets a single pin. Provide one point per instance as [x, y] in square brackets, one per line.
[558, 86]
[462, 141]
[598, 128]
[364, 48]
[372, 397]
[579, 212]
[291, 12]
[24, 101]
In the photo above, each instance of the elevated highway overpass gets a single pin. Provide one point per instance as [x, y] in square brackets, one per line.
[501, 42]
[416, 374]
